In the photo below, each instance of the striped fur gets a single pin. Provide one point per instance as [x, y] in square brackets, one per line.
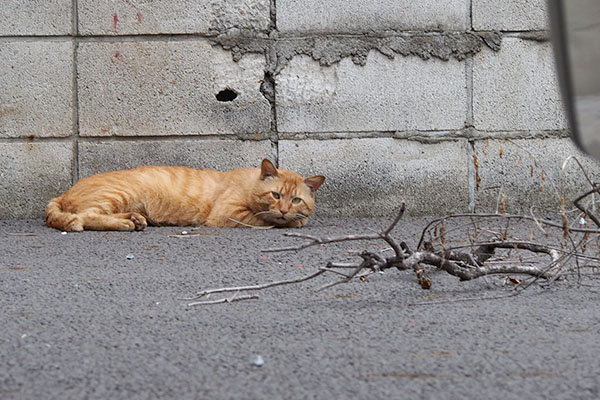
[132, 199]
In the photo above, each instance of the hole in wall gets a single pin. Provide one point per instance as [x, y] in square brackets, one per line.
[226, 95]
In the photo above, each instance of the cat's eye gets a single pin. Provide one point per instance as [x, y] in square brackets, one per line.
[296, 200]
[276, 195]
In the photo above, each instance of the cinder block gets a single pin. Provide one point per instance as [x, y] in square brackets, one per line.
[123, 17]
[168, 88]
[529, 172]
[103, 156]
[384, 95]
[30, 175]
[509, 15]
[36, 88]
[516, 88]
[372, 177]
[355, 16]
[36, 17]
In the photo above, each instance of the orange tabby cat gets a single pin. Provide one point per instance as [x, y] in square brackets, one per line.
[131, 199]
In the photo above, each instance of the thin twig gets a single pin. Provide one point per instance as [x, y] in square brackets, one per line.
[585, 210]
[328, 269]
[592, 184]
[396, 220]
[341, 265]
[225, 300]
[348, 278]
[580, 167]
[539, 225]
[313, 241]
[250, 226]
[429, 303]
[254, 287]
[500, 200]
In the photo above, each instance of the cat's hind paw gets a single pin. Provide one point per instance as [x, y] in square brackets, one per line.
[139, 221]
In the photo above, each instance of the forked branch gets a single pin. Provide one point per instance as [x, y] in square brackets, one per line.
[477, 259]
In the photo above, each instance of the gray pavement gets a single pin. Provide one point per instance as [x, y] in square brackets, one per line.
[82, 321]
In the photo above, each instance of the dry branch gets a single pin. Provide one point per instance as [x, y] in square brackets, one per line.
[477, 258]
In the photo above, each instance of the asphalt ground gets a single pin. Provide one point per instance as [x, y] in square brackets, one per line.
[82, 320]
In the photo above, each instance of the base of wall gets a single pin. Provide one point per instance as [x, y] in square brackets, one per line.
[366, 177]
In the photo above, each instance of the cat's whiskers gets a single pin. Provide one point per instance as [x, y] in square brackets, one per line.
[267, 212]
[299, 216]
[250, 226]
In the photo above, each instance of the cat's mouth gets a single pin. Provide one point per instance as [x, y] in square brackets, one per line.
[274, 217]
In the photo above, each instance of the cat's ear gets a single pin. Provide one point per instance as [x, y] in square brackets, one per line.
[267, 169]
[314, 182]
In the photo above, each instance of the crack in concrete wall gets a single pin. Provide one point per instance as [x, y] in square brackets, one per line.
[539, 36]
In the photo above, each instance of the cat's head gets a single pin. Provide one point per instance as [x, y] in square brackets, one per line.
[283, 196]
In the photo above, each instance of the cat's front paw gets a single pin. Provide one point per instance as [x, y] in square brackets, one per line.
[297, 224]
[139, 221]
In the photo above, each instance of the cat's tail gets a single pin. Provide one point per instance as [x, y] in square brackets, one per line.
[59, 219]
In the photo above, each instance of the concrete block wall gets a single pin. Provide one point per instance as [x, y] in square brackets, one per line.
[428, 102]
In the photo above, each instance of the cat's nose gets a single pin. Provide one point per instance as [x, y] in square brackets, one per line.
[283, 212]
